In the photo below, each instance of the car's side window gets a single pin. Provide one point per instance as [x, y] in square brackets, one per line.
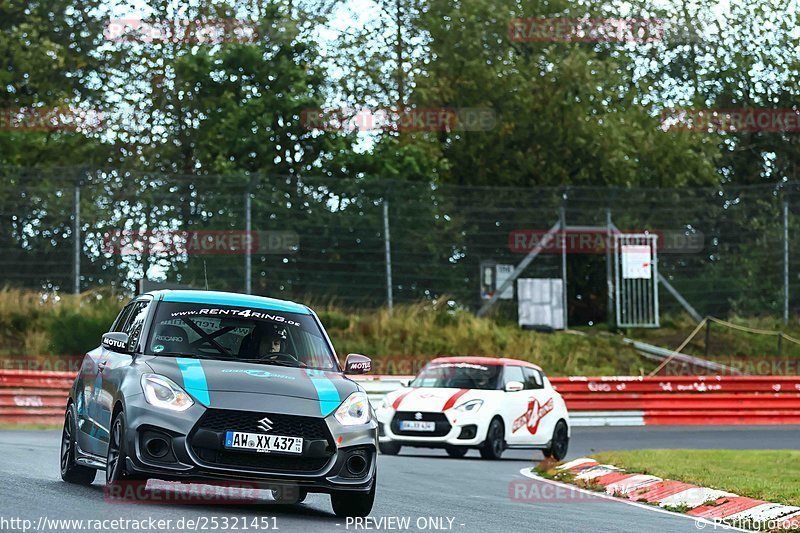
[119, 323]
[134, 326]
[512, 373]
[533, 378]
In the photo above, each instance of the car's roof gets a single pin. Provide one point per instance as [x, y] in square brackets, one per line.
[504, 361]
[229, 298]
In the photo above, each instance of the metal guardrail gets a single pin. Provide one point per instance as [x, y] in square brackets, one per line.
[38, 398]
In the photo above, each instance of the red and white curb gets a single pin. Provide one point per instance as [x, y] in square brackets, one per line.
[703, 504]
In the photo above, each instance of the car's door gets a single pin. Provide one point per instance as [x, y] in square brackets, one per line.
[541, 421]
[515, 403]
[90, 383]
[115, 364]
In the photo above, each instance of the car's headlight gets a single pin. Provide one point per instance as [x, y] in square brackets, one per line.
[354, 410]
[470, 407]
[161, 391]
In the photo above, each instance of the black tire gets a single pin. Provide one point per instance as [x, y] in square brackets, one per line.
[389, 448]
[495, 444]
[353, 504]
[559, 444]
[116, 457]
[71, 472]
[456, 451]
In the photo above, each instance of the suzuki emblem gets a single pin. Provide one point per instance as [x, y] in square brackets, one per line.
[418, 416]
[265, 424]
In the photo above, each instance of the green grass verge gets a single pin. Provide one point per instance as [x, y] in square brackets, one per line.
[770, 475]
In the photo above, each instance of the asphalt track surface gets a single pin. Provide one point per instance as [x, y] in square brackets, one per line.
[418, 485]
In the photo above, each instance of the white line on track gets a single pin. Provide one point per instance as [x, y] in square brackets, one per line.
[700, 523]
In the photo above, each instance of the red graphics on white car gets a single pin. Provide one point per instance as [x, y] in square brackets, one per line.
[484, 403]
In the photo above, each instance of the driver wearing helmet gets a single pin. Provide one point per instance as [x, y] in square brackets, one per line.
[273, 340]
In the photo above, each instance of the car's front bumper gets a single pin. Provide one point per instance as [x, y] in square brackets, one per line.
[475, 427]
[185, 465]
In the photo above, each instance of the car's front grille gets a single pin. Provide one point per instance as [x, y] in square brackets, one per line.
[221, 420]
[442, 425]
[208, 436]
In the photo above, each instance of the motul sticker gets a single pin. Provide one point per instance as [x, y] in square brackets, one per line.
[532, 416]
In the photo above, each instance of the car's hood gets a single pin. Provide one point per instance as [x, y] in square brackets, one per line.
[430, 399]
[206, 378]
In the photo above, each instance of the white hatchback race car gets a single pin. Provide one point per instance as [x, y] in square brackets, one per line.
[490, 404]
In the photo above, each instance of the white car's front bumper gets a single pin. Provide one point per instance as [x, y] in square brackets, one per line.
[459, 427]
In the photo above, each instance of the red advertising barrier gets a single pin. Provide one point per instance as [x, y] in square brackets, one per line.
[36, 397]
[689, 400]
[33, 397]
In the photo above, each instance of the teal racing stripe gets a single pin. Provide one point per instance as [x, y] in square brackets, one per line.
[326, 392]
[194, 379]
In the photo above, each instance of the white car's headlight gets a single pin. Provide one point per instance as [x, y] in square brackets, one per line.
[470, 406]
[161, 391]
[354, 410]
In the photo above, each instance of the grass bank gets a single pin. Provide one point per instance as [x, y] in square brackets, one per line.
[399, 342]
[770, 475]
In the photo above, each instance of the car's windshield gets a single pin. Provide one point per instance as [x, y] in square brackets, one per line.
[458, 376]
[239, 333]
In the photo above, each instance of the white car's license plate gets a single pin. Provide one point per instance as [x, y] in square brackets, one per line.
[263, 443]
[416, 425]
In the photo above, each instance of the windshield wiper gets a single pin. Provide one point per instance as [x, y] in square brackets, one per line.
[276, 363]
[195, 355]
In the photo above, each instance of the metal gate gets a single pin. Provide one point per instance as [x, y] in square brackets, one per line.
[636, 280]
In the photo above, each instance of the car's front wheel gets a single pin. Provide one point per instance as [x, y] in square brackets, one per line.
[70, 471]
[389, 448]
[559, 443]
[116, 458]
[495, 443]
[353, 503]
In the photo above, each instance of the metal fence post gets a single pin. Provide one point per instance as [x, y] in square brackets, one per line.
[76, 236]
[248, 228]
[609, 274]
[387, 241]
[563, 223]
[785, 261]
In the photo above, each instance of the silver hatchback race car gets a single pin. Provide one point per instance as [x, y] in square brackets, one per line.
[199, 386]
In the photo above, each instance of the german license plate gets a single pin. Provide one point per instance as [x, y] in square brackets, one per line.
[417, 425]
[258, 442]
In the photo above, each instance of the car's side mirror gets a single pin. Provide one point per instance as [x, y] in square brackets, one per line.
[115, 341]
[357, 364]
[514, 386]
